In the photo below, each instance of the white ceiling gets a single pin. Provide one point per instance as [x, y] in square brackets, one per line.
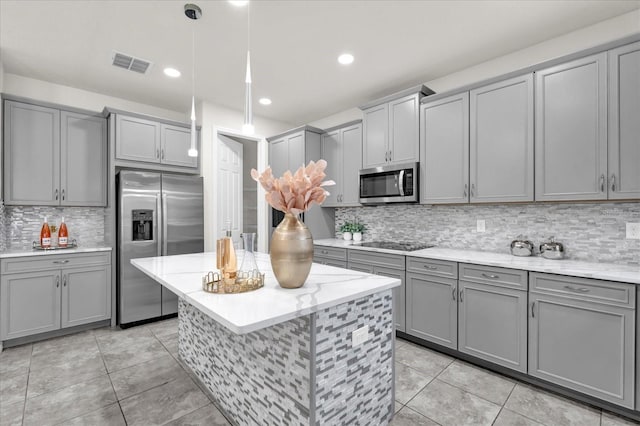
[294, 46]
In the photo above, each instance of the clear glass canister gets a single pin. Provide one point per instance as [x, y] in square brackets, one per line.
[249, 267]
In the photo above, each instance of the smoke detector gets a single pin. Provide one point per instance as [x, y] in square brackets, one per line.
[192, 11]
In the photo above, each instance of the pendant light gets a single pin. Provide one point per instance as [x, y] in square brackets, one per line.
[193, 12]
[247, 127]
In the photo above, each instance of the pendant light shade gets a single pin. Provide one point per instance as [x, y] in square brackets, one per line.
[193, 152]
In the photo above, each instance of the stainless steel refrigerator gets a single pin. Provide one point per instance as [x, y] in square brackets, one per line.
[159, 214]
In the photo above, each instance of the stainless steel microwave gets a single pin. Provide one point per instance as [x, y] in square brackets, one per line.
[397, 183]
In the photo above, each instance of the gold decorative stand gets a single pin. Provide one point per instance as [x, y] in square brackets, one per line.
[214, 282]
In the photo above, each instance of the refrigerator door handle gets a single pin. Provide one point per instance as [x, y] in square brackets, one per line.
[159, 220]
[165, 233]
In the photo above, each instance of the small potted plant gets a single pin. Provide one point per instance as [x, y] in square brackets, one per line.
[356, 229]
[346, 231]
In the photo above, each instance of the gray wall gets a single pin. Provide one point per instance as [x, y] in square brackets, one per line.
[589, 231]
[20, 225]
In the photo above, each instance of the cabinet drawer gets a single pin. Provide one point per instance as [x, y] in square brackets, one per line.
[441, 268]
[503, 277]
[57, 261]
[608, 292]
[330, 262]
[394, 261]
[329, 253]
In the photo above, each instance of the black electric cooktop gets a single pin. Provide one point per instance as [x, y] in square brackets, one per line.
[394, 245]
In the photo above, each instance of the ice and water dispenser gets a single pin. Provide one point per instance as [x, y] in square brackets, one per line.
[142, 225]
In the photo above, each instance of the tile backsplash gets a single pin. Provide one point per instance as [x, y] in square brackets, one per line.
[592, 232]
[20, 225]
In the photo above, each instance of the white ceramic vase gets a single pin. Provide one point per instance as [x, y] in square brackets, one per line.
[357, 236]
[347, 236]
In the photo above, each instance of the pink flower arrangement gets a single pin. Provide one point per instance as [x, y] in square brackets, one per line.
[295, 193]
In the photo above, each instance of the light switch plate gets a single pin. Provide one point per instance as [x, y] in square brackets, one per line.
[633, 231]
[480, 225]
[359, 336]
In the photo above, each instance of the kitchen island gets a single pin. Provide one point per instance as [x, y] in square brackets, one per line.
[281, 356]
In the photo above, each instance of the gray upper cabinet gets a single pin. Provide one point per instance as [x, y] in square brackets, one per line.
[279, 156]
[501, 141]
[581, 335]
[142, 140]
[54, 157]
[31, 154]
[624, 125]
[571, 130]
[175, 143]
[391, 132]
[342, 149]
[444, 168]
[83, 160]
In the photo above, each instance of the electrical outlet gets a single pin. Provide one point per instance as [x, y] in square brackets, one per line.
[480, 225]
[359, 336]
[633, 231]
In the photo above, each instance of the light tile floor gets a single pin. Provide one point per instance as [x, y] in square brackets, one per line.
[134, 377]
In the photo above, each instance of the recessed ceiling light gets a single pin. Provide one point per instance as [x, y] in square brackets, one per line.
[345, 58]
[239, 3]
[264, 101]
[172, 72]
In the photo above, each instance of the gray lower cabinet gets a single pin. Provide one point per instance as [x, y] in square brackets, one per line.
[46, 293]
[332, 256]
[571, 130]
[388, 265]
[54, 157]
[624, 126]
[581, 335]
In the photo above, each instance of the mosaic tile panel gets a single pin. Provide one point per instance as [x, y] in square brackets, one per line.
[21, 224]
[593, 232]
[278, 375]
[3, 226]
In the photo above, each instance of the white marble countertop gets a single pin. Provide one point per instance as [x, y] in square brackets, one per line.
[31, 252]
[603, 271]
[242, 313]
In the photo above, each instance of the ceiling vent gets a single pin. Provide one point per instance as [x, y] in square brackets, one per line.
[130, 63]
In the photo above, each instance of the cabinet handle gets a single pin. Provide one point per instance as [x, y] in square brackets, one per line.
[491, 277]
[461, 292]
[464, 192]
[577, 289]
[63, 195]
[157, 153]
[473, 189]
[602, 183]
[433, 268]
[60, 262]
[324, 252]
[64, 281]
[56, 195]
[453, 293]
[613, 182]
[390, 156]
[162, 154]
[533, 314]
[57, 281]
[386, 156]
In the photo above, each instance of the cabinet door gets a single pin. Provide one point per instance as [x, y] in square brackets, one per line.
[571, 130]
[584, 346]
[83, 160]
[431, 309]
[492, 324]
[624, 125]
[278, 156]
[137, 139]
[30, 303]
[404, 130]
[296, 157]
[398, 295]
[351, 164]
[445, 150]
[175, 142]
[86, 295]
[331, 151]
[375, 136]
[501, 141]
[31, 155]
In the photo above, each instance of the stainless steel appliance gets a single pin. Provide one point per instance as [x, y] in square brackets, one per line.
[389, 184]
[158, 215]
[395, 245]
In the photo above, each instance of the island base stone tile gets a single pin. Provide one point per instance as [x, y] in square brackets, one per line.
[264, 377]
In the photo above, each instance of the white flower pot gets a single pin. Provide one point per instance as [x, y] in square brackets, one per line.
[346, 236]
[357, 236]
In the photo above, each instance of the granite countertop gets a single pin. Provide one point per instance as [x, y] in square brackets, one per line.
[242, 313]
[603, 271]
[30, 252]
